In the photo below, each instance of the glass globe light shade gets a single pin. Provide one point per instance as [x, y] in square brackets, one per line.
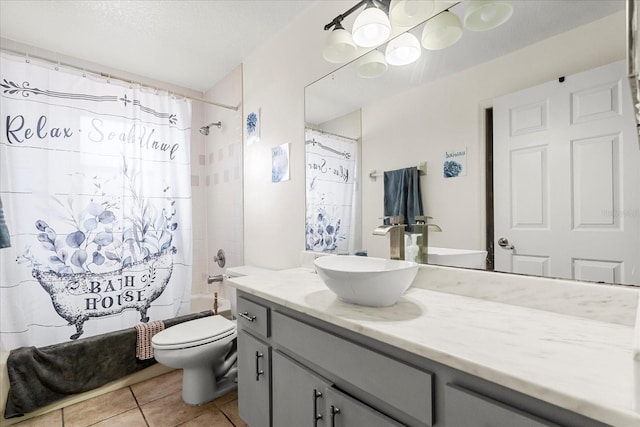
[441, 31]
[371, 27]
[407, 13]
[403, 50]
[372, 65]
[485, 15]
[339, 46]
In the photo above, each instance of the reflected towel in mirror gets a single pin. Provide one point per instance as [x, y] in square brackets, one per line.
[402, 194]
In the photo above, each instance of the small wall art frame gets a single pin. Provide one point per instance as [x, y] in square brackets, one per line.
[454, 163]
[253, 127]
[280, 163]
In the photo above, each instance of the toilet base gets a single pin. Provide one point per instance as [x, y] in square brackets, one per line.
[199, 386]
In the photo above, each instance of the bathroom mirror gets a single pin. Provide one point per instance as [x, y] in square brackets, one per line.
[543, 41]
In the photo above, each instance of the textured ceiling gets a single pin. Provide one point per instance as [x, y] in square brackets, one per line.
[192, 44]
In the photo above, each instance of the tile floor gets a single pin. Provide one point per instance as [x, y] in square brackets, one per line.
[152, 403]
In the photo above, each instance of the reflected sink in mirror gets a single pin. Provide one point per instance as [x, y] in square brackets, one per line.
[457, 257]
[374, 282]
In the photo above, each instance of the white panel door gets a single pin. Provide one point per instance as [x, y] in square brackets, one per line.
[566, 177]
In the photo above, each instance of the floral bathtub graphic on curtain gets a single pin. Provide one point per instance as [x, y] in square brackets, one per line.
[99, 269]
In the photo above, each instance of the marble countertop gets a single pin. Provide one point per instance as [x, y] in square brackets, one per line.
[583, 365]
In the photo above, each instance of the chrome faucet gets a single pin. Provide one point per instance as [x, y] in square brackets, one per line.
[423, 227]
[217, 278]
[396, 235]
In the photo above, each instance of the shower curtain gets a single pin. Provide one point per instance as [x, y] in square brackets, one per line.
[95, 186]
[330, 192]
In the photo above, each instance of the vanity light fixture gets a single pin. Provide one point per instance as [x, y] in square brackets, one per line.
[441, 31]
[407, 13]
[339, 46]
[485, 15]
[403, 50]
[372, 65]
[342, 46]
[372, 26]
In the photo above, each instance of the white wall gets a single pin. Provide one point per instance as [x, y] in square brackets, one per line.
[444, 113]
[274, 77]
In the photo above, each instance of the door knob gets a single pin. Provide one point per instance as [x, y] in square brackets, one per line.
[503, 242]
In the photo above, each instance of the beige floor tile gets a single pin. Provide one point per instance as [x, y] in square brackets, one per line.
[213, 417]
[158, 387]
[132, 418]
[230, 409]
[52, 419]
[171, 411]
[99, 408]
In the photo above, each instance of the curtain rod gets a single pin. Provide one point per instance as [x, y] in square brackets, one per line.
[27, 55]
[330, 133]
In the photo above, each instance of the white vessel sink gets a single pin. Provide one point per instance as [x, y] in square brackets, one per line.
[375, 282]
[457, 257]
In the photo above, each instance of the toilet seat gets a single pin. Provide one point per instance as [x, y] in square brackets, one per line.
[194, 333]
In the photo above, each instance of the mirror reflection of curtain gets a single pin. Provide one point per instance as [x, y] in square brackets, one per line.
[95, 181]
[330, 192]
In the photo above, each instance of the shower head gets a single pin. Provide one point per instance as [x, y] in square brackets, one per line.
[205, 129]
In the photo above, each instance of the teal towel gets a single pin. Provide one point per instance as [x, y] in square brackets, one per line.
[402, 194]
[5, 241]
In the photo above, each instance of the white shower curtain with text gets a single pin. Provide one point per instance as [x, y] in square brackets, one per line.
[95, 185]
[330, 192]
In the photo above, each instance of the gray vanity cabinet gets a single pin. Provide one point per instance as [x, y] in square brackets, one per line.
[344, 411]
[295, 370]
[303, 398]
[254, 363]
[254, 374]
[299, 394]
[466, 408]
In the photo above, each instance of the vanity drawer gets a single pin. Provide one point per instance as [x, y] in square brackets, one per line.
[253, 316]
[466, 408]
[401, 386]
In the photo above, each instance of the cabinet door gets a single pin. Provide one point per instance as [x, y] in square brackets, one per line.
[254, 373]
[465, 408]
[345, 411]
[298, 394]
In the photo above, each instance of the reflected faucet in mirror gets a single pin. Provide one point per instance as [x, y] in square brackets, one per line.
[422, 226]
[395, 229]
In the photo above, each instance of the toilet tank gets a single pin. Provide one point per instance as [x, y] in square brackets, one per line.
[240, 271]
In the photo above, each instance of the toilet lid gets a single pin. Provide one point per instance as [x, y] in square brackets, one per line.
[194, 331]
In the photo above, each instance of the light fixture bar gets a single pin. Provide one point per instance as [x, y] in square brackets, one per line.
[380, 4]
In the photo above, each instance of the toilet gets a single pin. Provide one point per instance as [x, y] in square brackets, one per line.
[205, 349]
